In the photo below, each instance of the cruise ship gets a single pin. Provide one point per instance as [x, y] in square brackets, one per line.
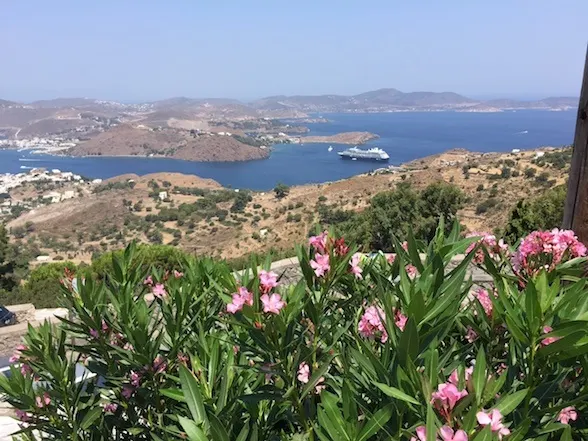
[374, 154]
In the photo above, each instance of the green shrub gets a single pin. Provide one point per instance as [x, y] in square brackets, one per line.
[483, 207]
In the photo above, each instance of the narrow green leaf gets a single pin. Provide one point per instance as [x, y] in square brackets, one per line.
[408, 346]
[508, 403]
[91, 417]
[395, 393]
[484, 435]
[194, 432]
[376, 422]
[191, 390]
[217, 429]
[479, 375]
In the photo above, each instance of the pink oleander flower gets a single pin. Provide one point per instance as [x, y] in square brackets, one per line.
[446, 397]
[494, 248]
[355, 268]
[159, 365]
[236, 349]
[21, 348]
[135, 378]
[548, 340]
[405, 246]
[494, 419]
[178, 274]
[471, 335]
[319, 243]
[447, 434]
[42, 401]
[272, 304]
[400, 319]
[148, 281]
[110, 407]
[17, 353]
[159, 291]
[454, 377]
[545, 250]
[25, 369]
[94, 333]
[104, 326]
[128, 347]
[127, 391]
[371, 324]
[303, 372]
[22, 415]
[320, 264]
[391, 258]
[482, 296]
[240, 298]
[411, 271]
[267, 281]
[421, 434]
[320, 386]
[567, 414]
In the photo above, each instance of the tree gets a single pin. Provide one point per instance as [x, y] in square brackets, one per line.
[281, 190]
[542, 213]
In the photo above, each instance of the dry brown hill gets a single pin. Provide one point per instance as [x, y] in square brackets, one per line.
[127, 140]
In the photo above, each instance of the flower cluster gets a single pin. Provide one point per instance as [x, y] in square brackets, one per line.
[494, 419]
[321, 263]
[494, 248]
[241, 298]
[446, 397]
[372, 323]
[303, 375]
[446, 433]
[136, 378]
[545, 250]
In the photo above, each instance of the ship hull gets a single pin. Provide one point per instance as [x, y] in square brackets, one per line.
[348, 158]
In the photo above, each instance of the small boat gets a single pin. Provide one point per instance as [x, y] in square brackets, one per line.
[330, 149]
[354, 159]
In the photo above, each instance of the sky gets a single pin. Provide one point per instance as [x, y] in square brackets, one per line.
[138, 50]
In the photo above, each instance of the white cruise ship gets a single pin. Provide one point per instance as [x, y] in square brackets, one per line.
[374, 154]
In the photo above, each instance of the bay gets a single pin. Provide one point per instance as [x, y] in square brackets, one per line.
[405, 136]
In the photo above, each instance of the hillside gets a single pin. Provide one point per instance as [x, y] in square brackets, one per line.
[202, 217]
[128, 140]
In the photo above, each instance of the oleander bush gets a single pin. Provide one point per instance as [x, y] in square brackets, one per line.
[380, 347]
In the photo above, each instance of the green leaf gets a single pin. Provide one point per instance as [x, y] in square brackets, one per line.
[566, 434]
[479, 375]
[376, 422]
[174, 394]
[532, 308]
[217, 429]
[508, 403]
[395, 393]
[194, 432]
[408, 346]
[431, 426]
[316, 375]
[90, 417]
[484, 435]
[193, 396]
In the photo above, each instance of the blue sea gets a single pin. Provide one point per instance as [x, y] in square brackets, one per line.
[405, 136]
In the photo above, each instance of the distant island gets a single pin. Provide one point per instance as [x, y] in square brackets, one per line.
[216, 129]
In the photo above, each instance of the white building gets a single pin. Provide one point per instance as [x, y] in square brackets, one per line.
[163, 195]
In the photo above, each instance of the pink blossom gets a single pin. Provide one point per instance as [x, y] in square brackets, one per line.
[135, 378]
[127, 391]
[42, 401]
[371, 324]
[421, 433]
[236, 349]
[355, 268]
[446, 397]
[14, 358]
[567, 414]
[148, 281]
[319, 243]
[303, 372]
[545, 250]
[447, 434]
[272, 304]
[17, 353]
[178, 274]
[159, 365]
[267, 280]
[411, 271]
[340, 248]
[494, 248]
[548, 340]
[391, 258]
[485, 301]
[94, 333]
[128, 347]
[471, 335]
[241, 298]
[22, 415]
[400, 319]
[320, 386]
[494, 419]
[21, 348]
[405, 246]
[110, 407]
[159, 291]
[320, 264]
[454, 377]
[25, 369]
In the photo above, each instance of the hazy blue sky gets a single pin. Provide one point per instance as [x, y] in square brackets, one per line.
[150, 49]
